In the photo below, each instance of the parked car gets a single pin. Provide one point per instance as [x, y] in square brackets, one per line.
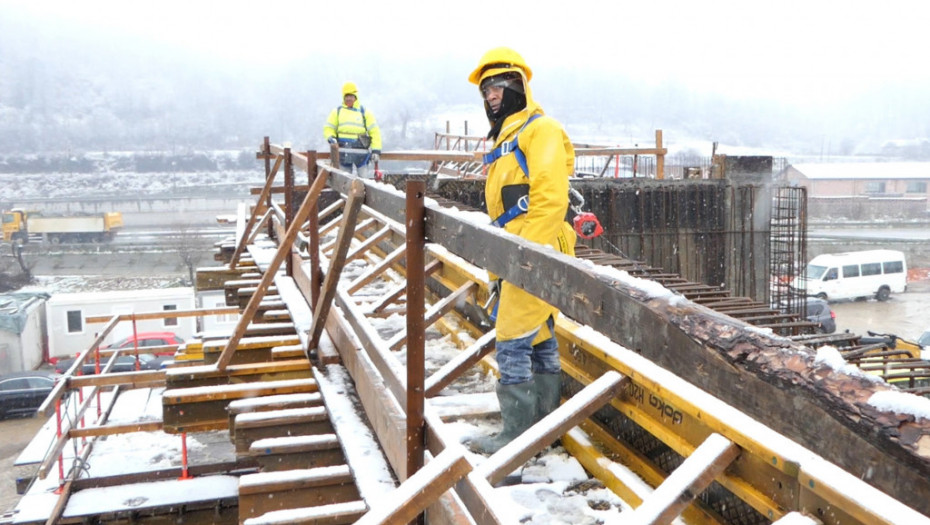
[819, 311]
[147, 339]
[21, 393]
[124, 363]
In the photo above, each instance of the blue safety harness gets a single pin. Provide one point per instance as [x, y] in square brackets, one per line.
[504, 149]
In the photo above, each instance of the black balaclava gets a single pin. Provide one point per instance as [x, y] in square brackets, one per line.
[512, 101]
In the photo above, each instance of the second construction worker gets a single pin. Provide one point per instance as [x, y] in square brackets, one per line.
[527, 195]
[352, 127]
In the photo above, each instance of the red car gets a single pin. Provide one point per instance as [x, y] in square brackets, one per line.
[147, 339]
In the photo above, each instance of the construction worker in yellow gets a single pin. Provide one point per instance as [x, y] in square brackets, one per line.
[350, 126]
[527, 195]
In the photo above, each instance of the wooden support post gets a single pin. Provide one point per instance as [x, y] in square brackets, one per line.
[336, 263]
[269, 174]
[284, 250]
[687, 482]
[313, 246]
[416, 328]
[334, 156]
[265, 195]
[288, 205]
[660, 156]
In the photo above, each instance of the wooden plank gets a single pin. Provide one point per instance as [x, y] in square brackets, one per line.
[111, 430]
[336, 263]
[247, 316]
[237, 391]
[377, 270]
[436, 311]
[130, 379]
[369, 243]
[262, 198]
[543, 433]
[163, 314]
[456, 366]
[401, 289]
[268, 491]
[418, 491]
[686, 482]
[331, 514]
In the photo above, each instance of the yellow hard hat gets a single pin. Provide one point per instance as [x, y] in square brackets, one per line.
[349, 89]
[499, 60]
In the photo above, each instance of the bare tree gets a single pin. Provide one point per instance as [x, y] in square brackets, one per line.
[10, 277]
[190, 247]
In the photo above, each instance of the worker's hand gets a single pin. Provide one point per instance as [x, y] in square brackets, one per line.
[332, 140]
[375, 155]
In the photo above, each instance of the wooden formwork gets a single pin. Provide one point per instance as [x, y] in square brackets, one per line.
[638, 363]
[683, 331]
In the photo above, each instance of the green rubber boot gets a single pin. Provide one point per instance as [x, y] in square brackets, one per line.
[548, 394]
[518, 411]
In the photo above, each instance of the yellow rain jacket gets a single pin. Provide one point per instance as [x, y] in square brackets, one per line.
[551, 159]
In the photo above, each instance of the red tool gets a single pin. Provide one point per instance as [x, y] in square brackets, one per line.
[585, 223]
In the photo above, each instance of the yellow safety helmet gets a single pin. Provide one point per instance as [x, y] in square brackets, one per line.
[349, 89]
[499, 60]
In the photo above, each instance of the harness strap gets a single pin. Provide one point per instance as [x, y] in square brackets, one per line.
[515, 211]
[512, 146]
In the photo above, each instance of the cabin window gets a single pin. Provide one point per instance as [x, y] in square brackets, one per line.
[874, 187]
[916, 187]
[832, 275]
[893, 267]
[224, 318]
[871, 269]
[75, 321]
[170, 321]
[851, 270]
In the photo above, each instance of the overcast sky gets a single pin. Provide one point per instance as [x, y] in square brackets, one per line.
[802, 51]
[796, 74]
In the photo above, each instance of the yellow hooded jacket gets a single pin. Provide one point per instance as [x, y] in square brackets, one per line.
[347, 123]
[551, 159]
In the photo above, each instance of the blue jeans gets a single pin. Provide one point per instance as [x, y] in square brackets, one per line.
[518, 359]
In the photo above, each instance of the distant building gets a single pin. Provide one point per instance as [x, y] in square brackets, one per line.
[67, 313]
[22, 331]
[863, 190]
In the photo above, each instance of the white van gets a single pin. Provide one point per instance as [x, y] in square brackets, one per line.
[851, 275]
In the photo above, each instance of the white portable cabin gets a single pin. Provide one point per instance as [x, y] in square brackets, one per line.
[216, 324]
[22, 331]
[851, 275]
[69, 333]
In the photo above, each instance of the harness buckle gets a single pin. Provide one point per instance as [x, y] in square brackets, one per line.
[524, 203]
